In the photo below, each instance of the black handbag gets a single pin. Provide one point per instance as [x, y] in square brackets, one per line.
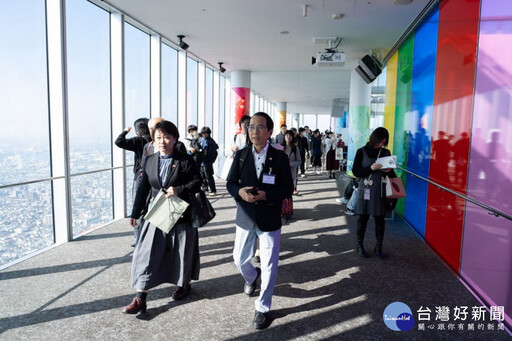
[201, 211]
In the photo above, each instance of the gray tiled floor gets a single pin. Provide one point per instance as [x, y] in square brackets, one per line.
[76, 291]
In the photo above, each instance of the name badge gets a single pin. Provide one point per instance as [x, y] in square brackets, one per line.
[269, 179]
[366, 194]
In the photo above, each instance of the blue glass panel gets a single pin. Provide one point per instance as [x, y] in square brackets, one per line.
[416, 203]
[422, 97]
[422, 101]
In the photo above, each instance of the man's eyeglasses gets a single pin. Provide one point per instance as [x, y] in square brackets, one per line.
[258, 127]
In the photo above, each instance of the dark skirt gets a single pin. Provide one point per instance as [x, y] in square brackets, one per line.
[165, 258]
[330, 161]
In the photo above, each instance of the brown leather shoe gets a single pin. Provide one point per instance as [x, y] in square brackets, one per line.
[181, 292]
[137, 305]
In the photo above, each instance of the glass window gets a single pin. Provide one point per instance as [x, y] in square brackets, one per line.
[27, 222]
[310, 121]
[191, 92]
[137, 79]
[91, 201]
[170, 83]
[88, 53]
[252, 111]
[130, 196]
[137, 90]
[24, 142]
[209, 97]
[324, 122]
[222, 110]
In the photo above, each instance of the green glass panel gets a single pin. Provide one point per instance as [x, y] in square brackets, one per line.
[403, 107]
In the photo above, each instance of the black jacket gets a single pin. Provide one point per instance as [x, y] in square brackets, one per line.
[265, 214]
[364, 172]
[184, 176]
[134, 144]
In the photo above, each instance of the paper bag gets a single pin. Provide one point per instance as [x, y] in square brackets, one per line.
[394, 188]
[339, 153]
[165, 212]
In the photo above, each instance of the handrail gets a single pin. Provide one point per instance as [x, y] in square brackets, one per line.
[59, 177]
[494, 211]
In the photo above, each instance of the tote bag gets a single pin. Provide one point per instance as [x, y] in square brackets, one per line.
[394, 188]
[339, 153]
[165, 212]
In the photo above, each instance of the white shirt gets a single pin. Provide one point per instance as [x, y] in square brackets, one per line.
[240, 141]
[259, 159]
[330, 143]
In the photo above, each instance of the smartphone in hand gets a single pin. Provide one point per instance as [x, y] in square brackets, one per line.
[253, 191]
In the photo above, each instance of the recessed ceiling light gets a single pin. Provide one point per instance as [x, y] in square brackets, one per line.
[284, 32]
[337, 16]
[402, 2]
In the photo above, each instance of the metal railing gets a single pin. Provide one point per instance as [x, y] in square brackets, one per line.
[61, 177]
[491, 211]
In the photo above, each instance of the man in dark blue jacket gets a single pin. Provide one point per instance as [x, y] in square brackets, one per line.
[259, 179]
[210, 155]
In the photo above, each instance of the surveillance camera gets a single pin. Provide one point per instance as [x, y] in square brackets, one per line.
[182, 44]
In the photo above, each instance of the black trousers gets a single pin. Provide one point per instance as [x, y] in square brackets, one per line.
[207, 175]
[302, 161]
[380, 226]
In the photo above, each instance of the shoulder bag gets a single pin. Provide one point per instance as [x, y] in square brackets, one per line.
[201, 210]
[394, 187]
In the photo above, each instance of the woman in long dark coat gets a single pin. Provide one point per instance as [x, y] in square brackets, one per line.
[161, 257]
[316, 151]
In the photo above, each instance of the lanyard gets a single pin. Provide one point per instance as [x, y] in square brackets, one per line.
[368, 182]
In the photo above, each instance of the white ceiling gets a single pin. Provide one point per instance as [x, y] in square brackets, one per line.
[245, 35]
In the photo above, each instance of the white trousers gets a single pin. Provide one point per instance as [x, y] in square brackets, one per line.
[245, 246]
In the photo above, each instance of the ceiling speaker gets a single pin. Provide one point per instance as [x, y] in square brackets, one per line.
[369, 68]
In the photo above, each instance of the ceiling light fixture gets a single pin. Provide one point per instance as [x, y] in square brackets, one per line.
[337, 16]
[221, 68]
[182, 44]
[304, 10]
[402, 2]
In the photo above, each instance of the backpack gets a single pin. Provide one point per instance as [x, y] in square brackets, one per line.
[211, 152]
[215, 153]
[199, 154]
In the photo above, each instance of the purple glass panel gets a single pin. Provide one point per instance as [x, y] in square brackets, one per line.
[490, 166]
[487, 257]
[486, 262]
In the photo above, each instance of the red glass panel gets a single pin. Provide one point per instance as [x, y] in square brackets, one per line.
[453, 105]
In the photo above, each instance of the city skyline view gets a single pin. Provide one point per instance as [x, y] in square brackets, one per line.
[27, 209]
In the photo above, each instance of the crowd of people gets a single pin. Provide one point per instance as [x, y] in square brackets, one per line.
[262, 180]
